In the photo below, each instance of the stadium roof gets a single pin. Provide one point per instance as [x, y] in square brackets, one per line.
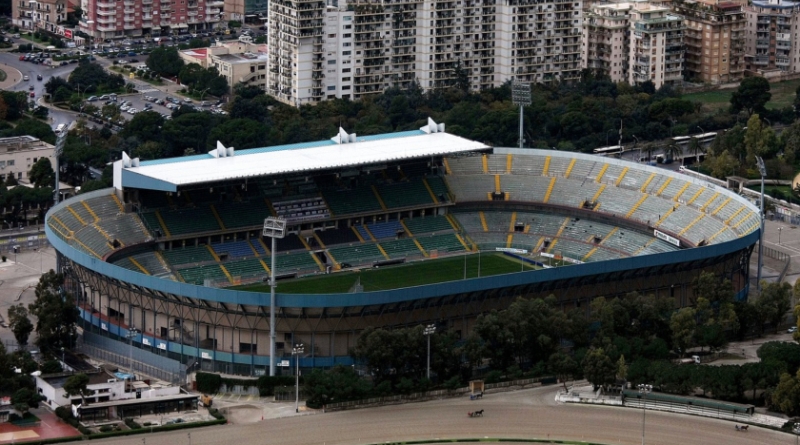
[341, 151]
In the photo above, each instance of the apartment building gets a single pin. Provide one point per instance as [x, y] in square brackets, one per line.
[238, 61]
[714, 40]
[656, 45]
[39, 14]
[606, 30]
[319, 51]
[112, 19]
[19, 153]
[246, 10]
[772, 35]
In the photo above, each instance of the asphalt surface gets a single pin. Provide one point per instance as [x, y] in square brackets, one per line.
[522, 414]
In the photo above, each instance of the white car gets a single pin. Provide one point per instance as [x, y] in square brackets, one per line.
[124, 108]
[132, 111]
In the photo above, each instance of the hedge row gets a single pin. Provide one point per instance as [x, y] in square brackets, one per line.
[171, 427]
[210, 383]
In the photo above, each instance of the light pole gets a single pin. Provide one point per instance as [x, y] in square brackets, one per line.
[780, 229]
[132, 332]
[189, 435]
[521, 95]
[273, 228]
[428, 331]
[296, 352]
[762, 169]
[644, 390]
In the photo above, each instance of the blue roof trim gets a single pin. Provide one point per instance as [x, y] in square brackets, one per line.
[297, 146]
[136, 180]
[390, 296]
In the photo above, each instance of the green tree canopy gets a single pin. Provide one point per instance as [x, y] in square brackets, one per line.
[55, 312]
[19, 323]
[165, 61]
[76, 385]
[752, 95]
[42, 173]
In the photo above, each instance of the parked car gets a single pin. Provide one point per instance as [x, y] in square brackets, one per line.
[38, 77]
[33, 94]
[792, 330]
[26, 78]
[91, 99]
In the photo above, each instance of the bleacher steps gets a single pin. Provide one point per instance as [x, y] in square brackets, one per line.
[321, 244]
[621, 176]
[538, 244]
[546, 166]
[303, 241]
[636, 206]
[358, 234]
[736, 226]
[87, 248]
[509, 163]
[405, 227]
[369, 232]
[680, 192]
[645, 246]
[162, 223]
[512, 223]
[227, 274]
[463, 243]
[91, 212]
[728, 221]
[669, 212]
[336, 264]
[569, 168]
[137, 264]
[696, 195]
[162, 261]
[594, 249]
[558, 234]
[75, 214]
[483, 221]
[485, 161]
[264, 245]
[686, 229]
[663, 186]
[599, 191]
[601, 173]
[264, 265]
[705, 206]
[549, 188]
[721, 206]
[509, 240]
[214, 254]
[647, 182]
[378, 197]
[383, 252]
[430, 190]
[453, 222]
[724, 228]
[447, 167]
[497, 187]
[419, 246]
[252, 247]
[216, 216]
[119, 204]
[272, 209]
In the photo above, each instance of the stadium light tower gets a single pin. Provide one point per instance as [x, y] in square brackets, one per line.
[762, 169]
[428, 331]
[274, 228]
[521, 95]
[57, 151]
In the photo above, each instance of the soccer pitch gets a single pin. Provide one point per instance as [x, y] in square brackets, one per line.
[399, 276]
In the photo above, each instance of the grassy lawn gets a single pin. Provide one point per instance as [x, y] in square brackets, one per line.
[782, 96]
[30, 37]
[404, 275]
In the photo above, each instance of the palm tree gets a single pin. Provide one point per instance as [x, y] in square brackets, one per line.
[649, 149]
[672, 150]
[696, 147]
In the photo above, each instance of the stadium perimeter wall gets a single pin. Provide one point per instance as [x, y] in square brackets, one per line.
[212, 320]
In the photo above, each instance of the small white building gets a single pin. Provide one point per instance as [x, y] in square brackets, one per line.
[106, 386]
[19, 153]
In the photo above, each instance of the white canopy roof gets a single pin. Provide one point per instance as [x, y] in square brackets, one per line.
[341, 151]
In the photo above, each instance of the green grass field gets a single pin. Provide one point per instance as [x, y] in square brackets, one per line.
[782, 96]
[403, 275]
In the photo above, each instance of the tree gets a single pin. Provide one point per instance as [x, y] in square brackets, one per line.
[774, 302]
[672, 150]
[683, 326]
[759, 140]
[752, 95]
[563, 366]
[55, 312]
[24, 399]
[76, 385]
[165, 61]
[20, 324]
[42, 173]
[598, 368]
[240, 133]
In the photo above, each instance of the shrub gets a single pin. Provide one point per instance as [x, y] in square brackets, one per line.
[83, 430]
[106, 428]
[147, 424]
[267, 384]
[493, 377]
[132, 424]
[14, 417]
[215, 414]
[208, 383]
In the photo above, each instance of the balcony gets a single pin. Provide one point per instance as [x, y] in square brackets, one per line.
[102, 12]
[109, 21]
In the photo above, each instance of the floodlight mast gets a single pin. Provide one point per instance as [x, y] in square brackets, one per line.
[762, 169]
[61, 140]
[274, 228]
[521, 95]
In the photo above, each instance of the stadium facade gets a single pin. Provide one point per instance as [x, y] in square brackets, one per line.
[172, 246]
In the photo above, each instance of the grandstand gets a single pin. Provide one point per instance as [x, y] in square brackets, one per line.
[175, 248]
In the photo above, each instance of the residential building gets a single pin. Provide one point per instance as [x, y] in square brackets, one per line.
[606, 30]
[714, 41]
[250, 11]
[19, 153]
[656, 45]
[40, 14]
[238, 61]
[319, 51]
[771, 44]
[109, 19]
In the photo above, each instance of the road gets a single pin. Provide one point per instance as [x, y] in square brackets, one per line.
[520, 414]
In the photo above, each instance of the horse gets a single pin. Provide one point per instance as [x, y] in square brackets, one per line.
[478, 413]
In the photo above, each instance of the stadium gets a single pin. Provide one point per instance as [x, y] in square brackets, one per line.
[391, 230]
